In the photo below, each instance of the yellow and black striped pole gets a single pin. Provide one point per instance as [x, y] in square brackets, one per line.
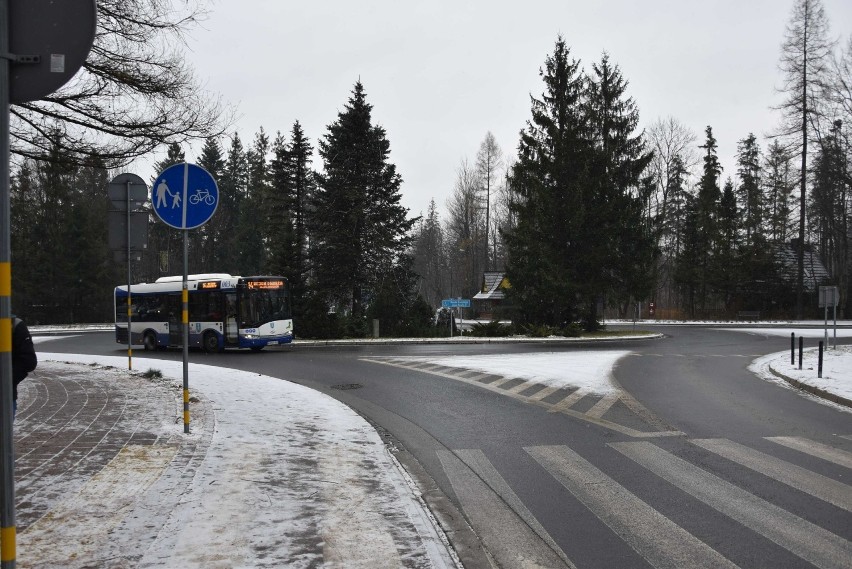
[185, 302]
[185, 320]
[7, 446]
[7, 531]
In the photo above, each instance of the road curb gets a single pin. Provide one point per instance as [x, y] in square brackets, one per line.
[822, 393]
[466, 340]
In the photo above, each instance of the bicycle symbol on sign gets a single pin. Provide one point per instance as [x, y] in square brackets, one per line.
[202, 195]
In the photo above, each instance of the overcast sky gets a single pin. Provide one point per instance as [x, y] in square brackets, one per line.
[441, 74]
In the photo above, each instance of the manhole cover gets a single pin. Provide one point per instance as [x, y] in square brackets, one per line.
[347, 386]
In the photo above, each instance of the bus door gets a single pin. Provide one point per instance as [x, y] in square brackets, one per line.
[175, 308]
[231, 328]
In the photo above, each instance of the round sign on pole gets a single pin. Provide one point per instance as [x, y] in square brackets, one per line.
[52, 40]
[185, 196]
[121, 185]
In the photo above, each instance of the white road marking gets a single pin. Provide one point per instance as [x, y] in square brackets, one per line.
[816, 449]
[569, 401]
[508, 535]
[817, 485]
[809, 541]
[604, 404]
[663, 543]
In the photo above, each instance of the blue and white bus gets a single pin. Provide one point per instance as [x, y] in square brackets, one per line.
[224, 312]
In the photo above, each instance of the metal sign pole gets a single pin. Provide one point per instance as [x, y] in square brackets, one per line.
[836, 296]
[185, 304]
[7, 448]
[129, 277]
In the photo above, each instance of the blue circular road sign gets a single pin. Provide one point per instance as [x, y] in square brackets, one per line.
[185, 196]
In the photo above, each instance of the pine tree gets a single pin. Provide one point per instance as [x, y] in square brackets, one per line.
[829, 207]
[209, 234]
[749, 191]
[278, 222]
[726, 271]
[619, 251]
[707, 213]
[232, 191]
[249, 230]
[360, 228]
[165, 244]
[300, 190]
[778, 186]
[429, 259]
[549, 181]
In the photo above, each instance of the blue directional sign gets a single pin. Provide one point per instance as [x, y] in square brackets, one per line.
[185, 196]
[455, 303]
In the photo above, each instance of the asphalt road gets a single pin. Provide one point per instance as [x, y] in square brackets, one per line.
[694, 463]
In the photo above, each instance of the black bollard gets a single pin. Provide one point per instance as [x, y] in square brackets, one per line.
[792, 348]
[801, 349]
[819, 367]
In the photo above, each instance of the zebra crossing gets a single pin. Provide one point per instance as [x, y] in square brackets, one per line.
[616, 410]
[515, 537]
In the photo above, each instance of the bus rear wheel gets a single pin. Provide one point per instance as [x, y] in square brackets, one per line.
[150, 342]
[211, 343]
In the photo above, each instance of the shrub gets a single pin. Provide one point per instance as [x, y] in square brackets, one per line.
[491, 329]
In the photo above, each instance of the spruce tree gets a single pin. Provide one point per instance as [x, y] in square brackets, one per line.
[300, 186]
[726, 272]
[707, 214]
[749, 190]
[429, 257]
[360, 228]
[249, 231]
[278, 222]
[165, 245]
[549, 180]
[209, 234]
[232, 191]
[778, 187]
[619, 251]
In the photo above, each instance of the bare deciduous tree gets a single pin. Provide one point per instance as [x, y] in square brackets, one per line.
[135, 92]
[805, 56]
[489, 160]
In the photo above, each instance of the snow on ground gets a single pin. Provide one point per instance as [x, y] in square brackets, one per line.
[836, 369]
[260, 420]
[285, 465]
[589, 369]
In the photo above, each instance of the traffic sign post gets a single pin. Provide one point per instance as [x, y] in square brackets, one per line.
[185, 196]
[456, 303]
[43, 43]
[128, 231]
[829, 297]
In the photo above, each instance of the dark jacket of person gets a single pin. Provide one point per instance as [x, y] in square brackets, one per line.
[24, 358]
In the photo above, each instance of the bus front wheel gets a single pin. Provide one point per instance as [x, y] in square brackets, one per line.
[211, 343]
[150, 342]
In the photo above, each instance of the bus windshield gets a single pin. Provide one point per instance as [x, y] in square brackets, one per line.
[259, 306]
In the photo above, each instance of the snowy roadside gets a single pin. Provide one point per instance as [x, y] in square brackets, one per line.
[291, 478]
[835, 385]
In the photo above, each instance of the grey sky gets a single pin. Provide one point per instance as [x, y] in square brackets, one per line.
[441, 74]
